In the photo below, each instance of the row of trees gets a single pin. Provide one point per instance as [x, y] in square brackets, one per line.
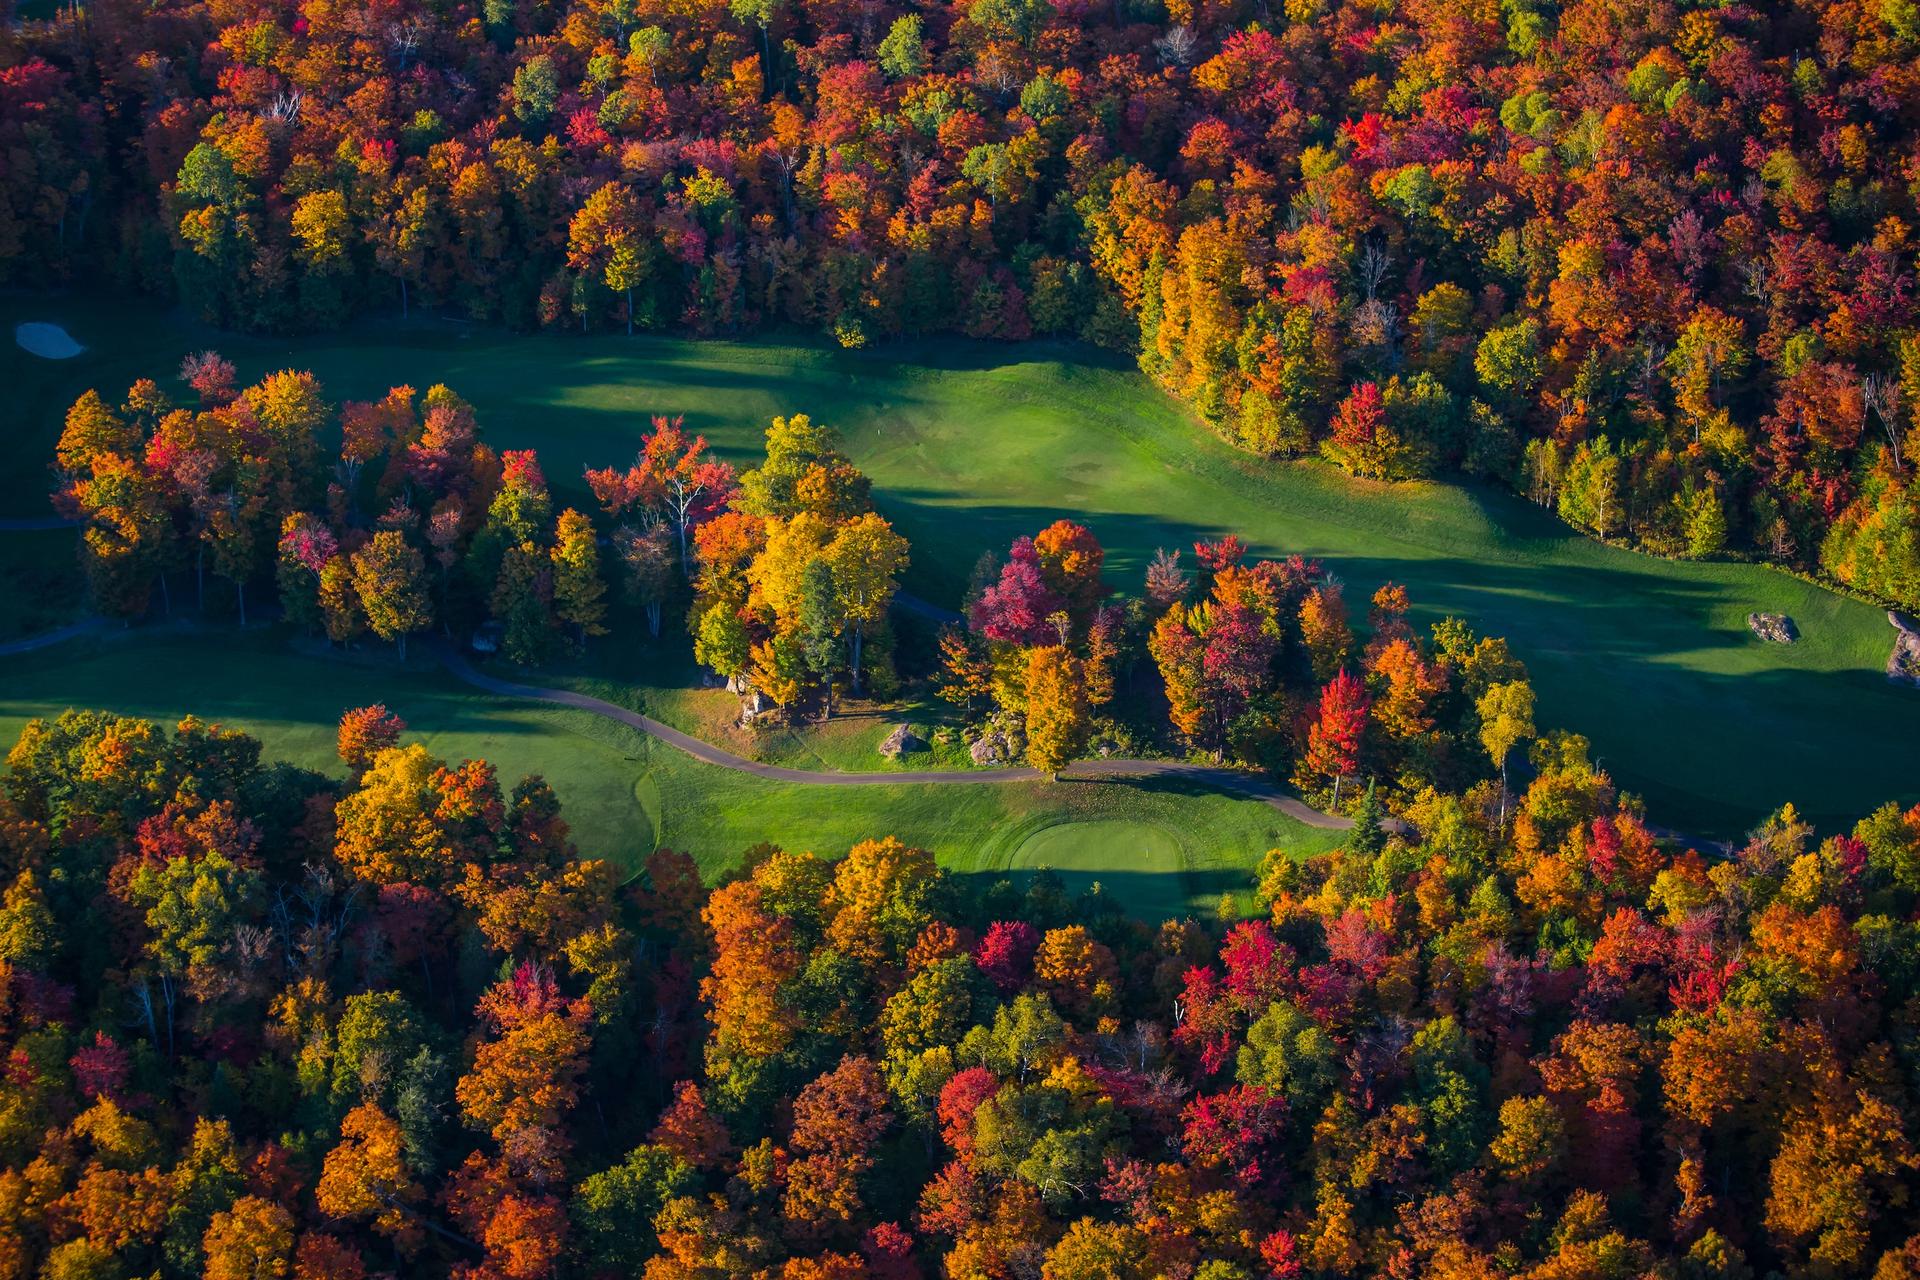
[1654, 269]
[263, 1022]
[413, 523]
[1256, 662]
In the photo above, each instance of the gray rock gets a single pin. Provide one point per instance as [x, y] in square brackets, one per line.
[1903, 664]
[900, 742]
[1775, 628]
[989, 749]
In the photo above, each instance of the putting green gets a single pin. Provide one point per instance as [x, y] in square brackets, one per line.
[970, 444]
[1140, 863]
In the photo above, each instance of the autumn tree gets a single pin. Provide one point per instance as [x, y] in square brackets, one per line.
[390, 576]
[578, 591]
[1057, 723]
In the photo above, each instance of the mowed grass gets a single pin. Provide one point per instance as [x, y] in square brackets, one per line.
[1082, 852]
[970, 445]
[623, 793]
[40, 580]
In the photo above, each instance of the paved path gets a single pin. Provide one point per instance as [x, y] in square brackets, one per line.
[1224, 779]
[27, 644]
[932, 612]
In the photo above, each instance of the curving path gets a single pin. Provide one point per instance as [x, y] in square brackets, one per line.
[27, 644]
[1225, 779]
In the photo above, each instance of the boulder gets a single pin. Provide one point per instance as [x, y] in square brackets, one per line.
[1903, 664]
[1775, 628]
[900, 742]
[487, 637]
[988, 749]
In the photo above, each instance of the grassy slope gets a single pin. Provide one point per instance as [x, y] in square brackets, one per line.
[969, 445]
[622, 792]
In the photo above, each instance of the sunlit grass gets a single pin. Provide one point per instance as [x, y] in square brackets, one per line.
[623, 793]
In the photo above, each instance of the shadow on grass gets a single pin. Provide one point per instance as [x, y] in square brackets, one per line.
[1150, 896]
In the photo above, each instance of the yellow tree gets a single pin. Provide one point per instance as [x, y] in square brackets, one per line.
[579, 594]
[605, 238]
[253, 1240]
[1324, 629]
[390, 577]
[366, 1176]
[322, 229]
[777, 575]
[1408, 686]
[1056, 708]
[1506, 720]
[866, 557]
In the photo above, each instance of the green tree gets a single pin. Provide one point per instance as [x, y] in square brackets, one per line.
[1289, 1054]
[390, 577]
[721, 641]
[1509, 360]
[820, 627]
[903, 51]
[378, 1032]
[523, 602]
[613, 1210]
[536, 90]
[192, 906]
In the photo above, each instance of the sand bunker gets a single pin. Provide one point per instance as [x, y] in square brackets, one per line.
[48, 341]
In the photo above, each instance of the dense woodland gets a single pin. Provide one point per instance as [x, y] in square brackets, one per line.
[263, 1023]
[1650, 264]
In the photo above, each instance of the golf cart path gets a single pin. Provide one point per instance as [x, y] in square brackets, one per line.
[45, 639]
[1225, 779]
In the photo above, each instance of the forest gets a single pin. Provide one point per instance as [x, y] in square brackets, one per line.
[262, 1022]
[1650, 265]
[785, 576]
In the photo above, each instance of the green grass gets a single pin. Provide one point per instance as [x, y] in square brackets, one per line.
[40, 586]
[969, 445]
[622, 792]
[1083, 853]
